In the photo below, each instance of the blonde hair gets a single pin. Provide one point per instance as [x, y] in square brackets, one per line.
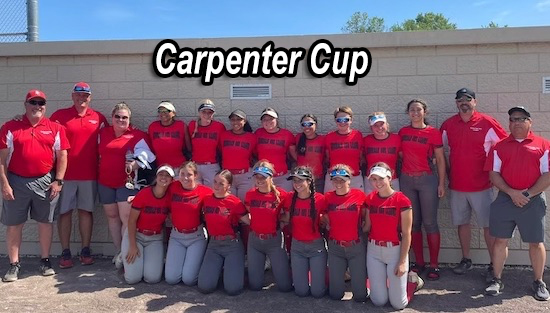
[344, 109]
[121, 106]
[190, 165]
[272, 187]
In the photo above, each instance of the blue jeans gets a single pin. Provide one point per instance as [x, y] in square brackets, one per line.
[184, 256]
[305, 258]
[228, 255]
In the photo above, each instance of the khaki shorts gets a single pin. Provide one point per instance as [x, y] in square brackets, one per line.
[78, 194]
[463, 203]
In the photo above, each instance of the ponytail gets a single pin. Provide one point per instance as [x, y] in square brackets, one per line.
[247, 128]
[196, 127]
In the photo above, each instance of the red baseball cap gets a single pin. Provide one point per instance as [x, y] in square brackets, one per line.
[35, 93]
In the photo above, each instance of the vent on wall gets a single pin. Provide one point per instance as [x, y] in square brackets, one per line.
[546, 85]
[251, 91]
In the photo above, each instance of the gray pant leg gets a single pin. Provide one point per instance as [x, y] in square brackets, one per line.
[429, 202]
[175, 255]
[300, 268]
[397, 284]
[358, 271]
[407, 184]
[211, 268]
[318, 269]
[337, 264]
[377, 275]
[153, 257]
[233, 273]
[193, 261]
[133, 272]
[256, 262]
[279, 263]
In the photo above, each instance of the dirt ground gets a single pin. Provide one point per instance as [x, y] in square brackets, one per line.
[100, 287]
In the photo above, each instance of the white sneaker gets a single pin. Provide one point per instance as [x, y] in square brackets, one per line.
[415, 279]
[117, 260]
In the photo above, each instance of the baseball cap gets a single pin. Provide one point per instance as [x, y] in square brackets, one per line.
[35, 93]
[82, 87]
[300, 173]
[264, 171]
[167, 105]
[465, 92]
[167, 169]
[271, 112]
[377, 118]
[238, 113]
[341, 173]
[380, 171]
[207, 104]
[521, 109]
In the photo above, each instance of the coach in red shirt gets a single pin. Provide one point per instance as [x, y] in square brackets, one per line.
[519, 169]
[470, 188]
[33, 160]
[82, 125]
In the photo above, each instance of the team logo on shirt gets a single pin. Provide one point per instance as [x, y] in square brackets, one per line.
[532, 148]
[157, 135]
[475, 129]
[128, 136]
[391, 211]
[267, 204]
[343, 207]
[46, 132]
[183, 199]
[93, 121]
[216, 210]
[155, 210]
[235, 143]
[266, 141]
[344, 145]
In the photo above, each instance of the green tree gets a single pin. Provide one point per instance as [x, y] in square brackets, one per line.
[360, 22]
[493, 25]
[425, 21]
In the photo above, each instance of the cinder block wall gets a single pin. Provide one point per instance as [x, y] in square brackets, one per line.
[504, 66]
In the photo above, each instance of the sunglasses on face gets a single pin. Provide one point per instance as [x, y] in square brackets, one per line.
[519, 119]
[308, 124]
[81, 89]
[123, 117]
[163, 111]
[36, 102]
[343, 120]
[464, 99]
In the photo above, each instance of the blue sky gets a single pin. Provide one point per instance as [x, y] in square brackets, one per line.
[62, 20]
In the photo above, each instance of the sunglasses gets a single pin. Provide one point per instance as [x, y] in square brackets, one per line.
[82, 89]
[464, 99]
[519, 119]
[163, 111]
[343, 119]
[340, 172]
[123, 117]
[262, 169]
[36, 102]
[308, 124]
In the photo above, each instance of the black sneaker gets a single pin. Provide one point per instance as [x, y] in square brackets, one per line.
[541, 293]
[46, 267]
[490, 274]
[13, 272]
[495, 288]
[462, 267]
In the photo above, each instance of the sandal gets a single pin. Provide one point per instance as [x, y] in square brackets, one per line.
[433, 273]
[417, 268]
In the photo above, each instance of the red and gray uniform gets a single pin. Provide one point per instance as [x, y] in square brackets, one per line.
[385, 150]
[237, 152]
[314, 156]
[32, 148]
[168, 142]
[345, 149]
[274, 148]
[205, 149]
[82, 131]
[469, 143]
[112, 154]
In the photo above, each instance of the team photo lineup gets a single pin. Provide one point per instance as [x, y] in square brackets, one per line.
[195, 203]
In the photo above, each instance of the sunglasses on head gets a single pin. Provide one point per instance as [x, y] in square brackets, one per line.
[123, 117]
[37, 102]
[82, 89]
[340, 172]
[263, 170]
[342, 119]
[308, 124]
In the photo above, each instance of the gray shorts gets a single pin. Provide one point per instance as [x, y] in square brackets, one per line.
[462, 204]
[31, 194]
[530, 219]
[108, 195]
[78, 194]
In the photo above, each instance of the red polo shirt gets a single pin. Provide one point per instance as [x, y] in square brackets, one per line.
[385, 150]
[469, 143]
[264, 210]
[345, 214]
[519, 163]
[274, 148]
[315, 154]
[237, 150]
[168, 142]
[418, 148]
[385, 215]
[186, 205]
[82, 132]
[222, 215]
[32, 148]
[153, 210]
[112, 154]
[206, 141]
[345, 149]
[304, 228]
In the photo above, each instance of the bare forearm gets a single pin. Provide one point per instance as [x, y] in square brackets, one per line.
[540, 185]
[61, 164]
[499, 182]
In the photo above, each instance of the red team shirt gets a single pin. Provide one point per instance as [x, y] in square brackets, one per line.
[222, 215]
[303, 227]
[32, 148]
[519, 163]
[345, 214]
[112, 154]
[206, 141]
[82, 132]
[345, 149]
[186, 205]
[153, 210]
[418, 148]
[168, 142]
[237, 150]
[385, 215]
[469, 144]
[274, 148]
[315, 154]
[385, 150]
[264, 211]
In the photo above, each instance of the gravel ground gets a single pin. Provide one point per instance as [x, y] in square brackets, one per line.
[100, 287]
